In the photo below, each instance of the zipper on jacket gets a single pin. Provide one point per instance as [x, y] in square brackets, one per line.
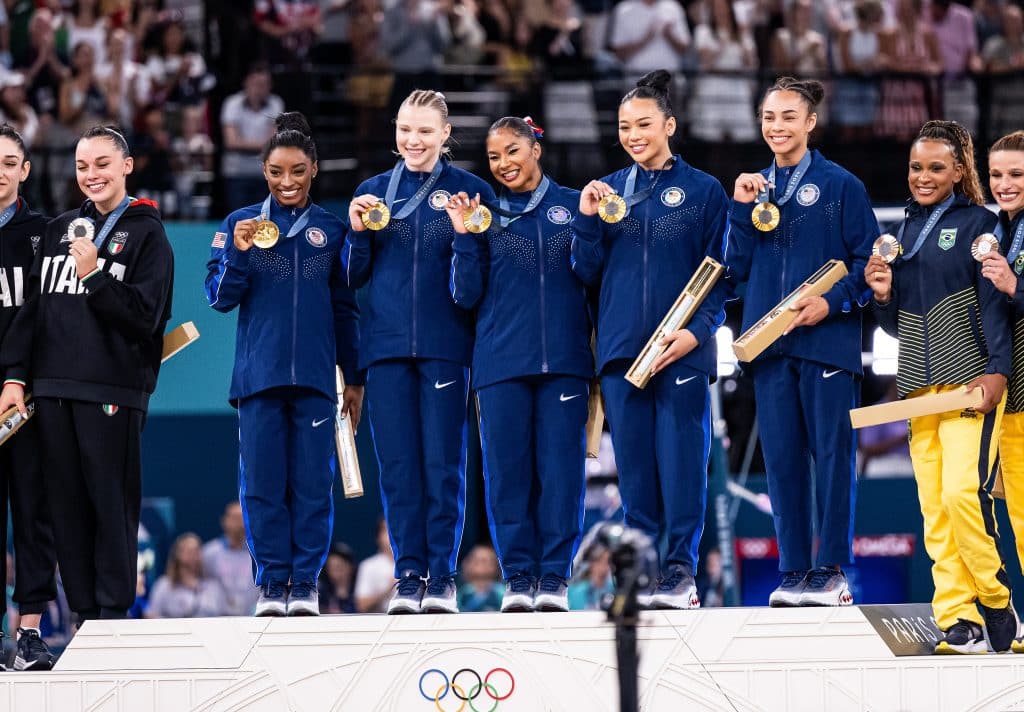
[295, 308]
[924, 329]
[415, 275]
[643, 311]
[543, 318]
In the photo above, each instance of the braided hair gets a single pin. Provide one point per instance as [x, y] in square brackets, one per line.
[810, 91]
[960, 142]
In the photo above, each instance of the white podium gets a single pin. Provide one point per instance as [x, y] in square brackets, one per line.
[725, 660]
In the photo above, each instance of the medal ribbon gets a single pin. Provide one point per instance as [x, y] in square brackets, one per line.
[1016, 245]
[508, 215]
[296, 226]
[794, 181]
[115, 215]
[933, 219]
[8, 213]
[633, 198]
[418, 196]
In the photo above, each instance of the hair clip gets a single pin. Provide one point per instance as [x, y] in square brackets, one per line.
[538, 132]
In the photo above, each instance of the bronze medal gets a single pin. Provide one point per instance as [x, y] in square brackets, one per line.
[477, 221]
[888, 248]
[611, 208]
[266, 235]
[984, 244]
[765, 216]
[377, 217]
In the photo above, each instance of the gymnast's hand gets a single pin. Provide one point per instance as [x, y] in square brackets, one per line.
[812, 310]
[748, 186]
[995, 267]
[352, 404]
[458, 206]
[359, 205]
[993, 386]
[680, 343]
[592, 194]
[878, 275]
[13, 395]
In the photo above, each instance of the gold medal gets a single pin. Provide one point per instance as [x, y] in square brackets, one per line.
[984, 244]
[80, 227]
[612, 208]
[765, 216]
[266, 234]
[888, 248]
[477, 221]
[377, 217]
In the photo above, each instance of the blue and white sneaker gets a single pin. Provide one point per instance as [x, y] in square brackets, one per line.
[518, 596]
[552, 594]
[303, 599]
[825, 586]
[408, 594]
[273, 600]
[676, 590]
[441, 596]
[788, 592]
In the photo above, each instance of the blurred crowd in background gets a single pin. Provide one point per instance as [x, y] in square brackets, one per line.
[197, 84]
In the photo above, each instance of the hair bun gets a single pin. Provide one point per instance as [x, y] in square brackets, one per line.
[293, 121]
[659, 80]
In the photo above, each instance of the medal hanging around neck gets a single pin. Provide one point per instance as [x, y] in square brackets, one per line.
[378, 216]
[612, 207]
[766, 215]
[268, 233]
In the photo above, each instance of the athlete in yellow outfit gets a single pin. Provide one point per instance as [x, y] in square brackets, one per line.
[953, 328]
[1006, 272]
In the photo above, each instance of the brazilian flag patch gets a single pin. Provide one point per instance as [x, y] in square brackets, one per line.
[1018, 266]
[947, 238]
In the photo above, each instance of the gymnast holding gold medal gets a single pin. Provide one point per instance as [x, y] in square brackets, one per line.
[417, 346]
[297, 322]
[787, 222]
[641, 233]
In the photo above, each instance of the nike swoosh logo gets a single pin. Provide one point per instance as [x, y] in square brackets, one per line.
[562, 397]
[318, 423]
[681, 381]
[829, 374]
[438, 385]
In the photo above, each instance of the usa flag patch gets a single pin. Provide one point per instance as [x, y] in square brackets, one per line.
[219, 240]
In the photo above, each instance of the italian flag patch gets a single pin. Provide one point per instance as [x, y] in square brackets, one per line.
[109, 409]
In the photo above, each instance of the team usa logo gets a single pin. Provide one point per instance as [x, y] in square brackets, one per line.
[316, 237]
[219, 240]
[467, 688]
[117, 241]
[673, 196]
[439, 199]
[559, 214]
[808, 194]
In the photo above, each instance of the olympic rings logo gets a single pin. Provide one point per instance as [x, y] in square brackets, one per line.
[503, 680]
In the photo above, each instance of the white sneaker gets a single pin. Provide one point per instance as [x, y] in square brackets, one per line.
[303, 600]
[825, 586]
[552, 594]
[518, 596]
[408, 595]
[677, 590]
[441, 596]
[273, 599]
[789, 591]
